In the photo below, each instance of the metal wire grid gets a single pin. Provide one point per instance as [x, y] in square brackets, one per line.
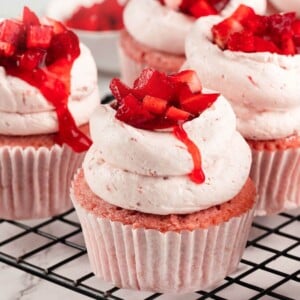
[249, 267]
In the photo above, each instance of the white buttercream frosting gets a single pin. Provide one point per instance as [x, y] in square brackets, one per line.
[62, 10]
[163, 27]
[25, 111]
[148, 170]
[262, 87]
[287, 6]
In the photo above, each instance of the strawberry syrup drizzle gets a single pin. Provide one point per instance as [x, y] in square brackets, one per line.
[197, 175]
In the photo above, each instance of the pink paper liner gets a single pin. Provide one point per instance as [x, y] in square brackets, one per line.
[276, 175]
[171, 262]
[34, 183]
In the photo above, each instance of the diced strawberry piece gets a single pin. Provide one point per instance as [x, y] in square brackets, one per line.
[39, 36]
[177, 114]
[58, 27]
[155, 105]
[29, 17]
[7, 49]
[262, 45]
[296, 27]
[288, 47]
[131, 111]
[190, 78]
[153, 83]
[202, 8]
[243, 13]
[119, 89]
[184, 92]
[241, 41]
[31, 59]
[12, 32]
[224, 29]
[279, 23]
[198, 103]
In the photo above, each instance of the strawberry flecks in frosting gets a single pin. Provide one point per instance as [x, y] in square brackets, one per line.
[106, 15]
[43, 55]
[159, 101]
[248, 32]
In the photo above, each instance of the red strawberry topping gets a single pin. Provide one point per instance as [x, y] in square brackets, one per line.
[43, 55]
[107, 15]
[201, 8]
[158, 101]
[248, 32]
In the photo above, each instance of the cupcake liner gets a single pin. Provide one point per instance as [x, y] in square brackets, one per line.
[34, 183]
[276, 175]
[171, 262]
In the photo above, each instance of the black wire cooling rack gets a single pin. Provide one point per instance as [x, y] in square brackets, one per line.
[270, 268]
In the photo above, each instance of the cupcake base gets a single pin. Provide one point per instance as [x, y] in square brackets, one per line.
[35, 175]
[175, 253]
[276, 173]
[134, 57]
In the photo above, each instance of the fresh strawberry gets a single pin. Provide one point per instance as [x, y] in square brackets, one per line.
[155, 105]
[7, 49]
[241, 41]
[262, 45]
[153, 83]
[57, 26]
[224, 29]
[39, 36]
[198, 103]
[288, 46]
[29, 17]
[132, 112]
[177, 114]
[296, 27]
[190, 78]
[12, 32]
[119, 89]
[202, 8]
[32, 59]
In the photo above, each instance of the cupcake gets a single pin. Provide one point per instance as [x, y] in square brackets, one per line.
[286, 6]
[48, 86]
[163, 197]
[97, 23]
[155, 31]
[256, 66]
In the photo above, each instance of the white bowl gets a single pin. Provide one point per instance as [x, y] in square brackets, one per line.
[104, 47]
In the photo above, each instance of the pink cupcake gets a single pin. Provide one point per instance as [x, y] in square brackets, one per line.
[164, 198]
[155, 31]
[48, 87]
[256, 66]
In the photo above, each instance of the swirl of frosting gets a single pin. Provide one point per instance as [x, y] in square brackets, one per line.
[163, 28]
[148, 170]
[25, 111]
[286, 6]
[262, 87]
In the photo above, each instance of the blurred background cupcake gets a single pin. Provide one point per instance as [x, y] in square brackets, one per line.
[97, 23]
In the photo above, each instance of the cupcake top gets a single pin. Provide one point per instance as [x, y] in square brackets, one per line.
[165, 146]
[92, 15]
[256, 66]
[48, 81]
[163, 25]
[286, 6]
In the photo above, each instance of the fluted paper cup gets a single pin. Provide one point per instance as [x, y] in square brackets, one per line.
[34, 183]
[276, 175]
[170, 262]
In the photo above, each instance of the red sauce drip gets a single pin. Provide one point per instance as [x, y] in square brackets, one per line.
[107, 15]
[197, 175]
[49, 71]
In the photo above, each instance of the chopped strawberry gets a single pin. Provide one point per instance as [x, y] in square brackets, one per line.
[153, 83]
[12, 32]
[57, 26]
[241, 41]
[131, 111]
[32, 59]
[155, 105]
[29, 17]
[198, 103]
[262, 45]
[288, 46]
[119, 89]
[190, 78]
[177, 114]
[202, 8]
[243, 13]
[224, 29]
[296, 27]
[39, 36]
[7, 49]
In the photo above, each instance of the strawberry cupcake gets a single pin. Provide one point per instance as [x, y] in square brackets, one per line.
[48, 87]
[97, 23]
[164, 197]
[286, 6]
[155, 31]
[257, 67]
